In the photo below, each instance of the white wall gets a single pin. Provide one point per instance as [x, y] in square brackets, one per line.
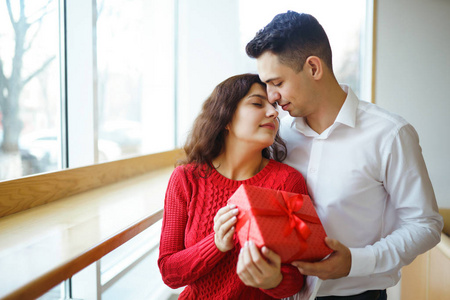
[413, 76]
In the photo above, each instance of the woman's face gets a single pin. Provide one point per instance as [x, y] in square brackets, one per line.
[255, 120]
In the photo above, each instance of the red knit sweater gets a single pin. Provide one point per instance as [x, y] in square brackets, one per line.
[188, 254]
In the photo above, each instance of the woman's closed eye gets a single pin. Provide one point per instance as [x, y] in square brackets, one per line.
[257, 104]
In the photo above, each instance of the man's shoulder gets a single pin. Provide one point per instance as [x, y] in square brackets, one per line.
[370, 112]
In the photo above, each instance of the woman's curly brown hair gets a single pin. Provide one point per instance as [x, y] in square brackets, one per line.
[207, 137]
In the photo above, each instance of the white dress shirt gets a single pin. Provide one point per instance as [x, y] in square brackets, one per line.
[370, 186]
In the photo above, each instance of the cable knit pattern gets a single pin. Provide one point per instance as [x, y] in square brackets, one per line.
[188, 254]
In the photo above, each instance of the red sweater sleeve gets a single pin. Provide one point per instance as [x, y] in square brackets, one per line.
[181, 266]
[291, 284]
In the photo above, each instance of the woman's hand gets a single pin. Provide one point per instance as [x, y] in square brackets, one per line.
[259, 269]
[224, 228]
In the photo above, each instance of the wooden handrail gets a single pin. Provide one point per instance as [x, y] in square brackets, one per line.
[38, 286]
[47, 244]
[43, 246]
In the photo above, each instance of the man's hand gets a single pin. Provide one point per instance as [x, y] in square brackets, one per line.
[224, 227]
[337, 265]
[259, 270]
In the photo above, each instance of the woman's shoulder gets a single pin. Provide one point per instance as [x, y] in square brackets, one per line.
[185, 169]
[290, 179]
[190, 172]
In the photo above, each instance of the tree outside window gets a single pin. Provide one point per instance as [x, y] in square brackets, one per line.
[29, 88]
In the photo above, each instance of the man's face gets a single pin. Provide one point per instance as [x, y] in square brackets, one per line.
[291, 90]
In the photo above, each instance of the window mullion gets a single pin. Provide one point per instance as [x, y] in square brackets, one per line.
[80, 82]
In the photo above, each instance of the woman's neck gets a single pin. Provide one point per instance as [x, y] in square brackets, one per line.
[239, 166]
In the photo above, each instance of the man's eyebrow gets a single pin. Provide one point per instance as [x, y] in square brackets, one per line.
[271, 79]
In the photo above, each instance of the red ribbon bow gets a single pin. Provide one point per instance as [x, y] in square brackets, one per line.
[293, 204]
[296, 220]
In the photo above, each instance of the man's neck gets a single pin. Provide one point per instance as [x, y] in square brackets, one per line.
[327, 110]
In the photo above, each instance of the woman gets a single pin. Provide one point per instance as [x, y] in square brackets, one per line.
[234, 140]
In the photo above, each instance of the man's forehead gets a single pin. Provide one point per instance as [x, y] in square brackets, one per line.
[266, 65]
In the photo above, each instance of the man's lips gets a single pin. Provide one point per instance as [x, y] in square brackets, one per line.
[285, 106]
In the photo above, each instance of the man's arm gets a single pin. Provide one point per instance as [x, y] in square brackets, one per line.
[410, 200]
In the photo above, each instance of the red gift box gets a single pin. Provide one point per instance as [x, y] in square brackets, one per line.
[284, 222]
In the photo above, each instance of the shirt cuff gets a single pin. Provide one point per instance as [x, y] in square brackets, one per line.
[363, 262]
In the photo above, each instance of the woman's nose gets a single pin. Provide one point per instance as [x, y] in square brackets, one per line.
[271, 111]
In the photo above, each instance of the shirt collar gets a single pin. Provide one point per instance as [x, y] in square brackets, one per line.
[346, 115]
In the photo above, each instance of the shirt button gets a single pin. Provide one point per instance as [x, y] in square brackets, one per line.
[313, 170]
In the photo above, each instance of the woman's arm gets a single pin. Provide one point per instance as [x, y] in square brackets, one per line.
[291, 284]
[181, 266]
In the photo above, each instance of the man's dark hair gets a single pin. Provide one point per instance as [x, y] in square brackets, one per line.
[293, 37]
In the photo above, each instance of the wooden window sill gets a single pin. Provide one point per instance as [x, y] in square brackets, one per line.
[45, 245]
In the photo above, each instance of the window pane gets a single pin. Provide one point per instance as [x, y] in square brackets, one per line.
[56, 293]
[135, 65]
[132, 269]
[29, 88]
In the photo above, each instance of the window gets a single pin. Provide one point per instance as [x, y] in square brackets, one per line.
[135, 72]
[30, 91]
[120, 74]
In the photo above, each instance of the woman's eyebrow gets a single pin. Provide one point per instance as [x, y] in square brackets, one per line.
[258, 96]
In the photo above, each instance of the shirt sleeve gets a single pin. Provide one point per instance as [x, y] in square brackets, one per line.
[411, 201]
[181, 266]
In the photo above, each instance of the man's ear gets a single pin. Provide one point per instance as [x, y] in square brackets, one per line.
[315, 67]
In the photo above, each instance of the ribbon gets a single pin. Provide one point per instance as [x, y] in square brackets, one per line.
[296, 220]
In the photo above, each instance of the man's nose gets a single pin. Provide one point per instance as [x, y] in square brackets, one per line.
[273, 96]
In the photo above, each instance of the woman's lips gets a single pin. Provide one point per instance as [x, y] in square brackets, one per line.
[268, 125]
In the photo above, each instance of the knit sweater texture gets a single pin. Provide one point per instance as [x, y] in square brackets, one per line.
[188, 255]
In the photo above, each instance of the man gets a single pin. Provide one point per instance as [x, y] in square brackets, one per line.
[363, 165]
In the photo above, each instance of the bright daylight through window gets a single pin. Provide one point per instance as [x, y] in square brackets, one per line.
[135, 65]
[29, 88]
